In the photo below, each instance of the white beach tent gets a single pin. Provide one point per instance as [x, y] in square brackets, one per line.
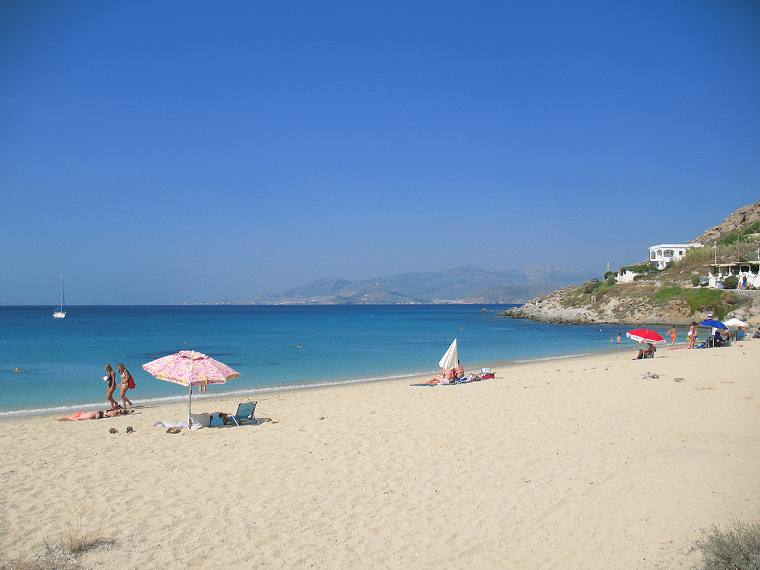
[734, 322]
[451, 358]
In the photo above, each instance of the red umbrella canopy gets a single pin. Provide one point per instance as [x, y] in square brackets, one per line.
[644, 335]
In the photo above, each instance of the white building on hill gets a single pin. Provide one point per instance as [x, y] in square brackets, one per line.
[664, 253]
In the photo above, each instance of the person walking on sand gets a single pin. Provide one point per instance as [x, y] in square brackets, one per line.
[673, 335]
[127, 383]
[111, 386]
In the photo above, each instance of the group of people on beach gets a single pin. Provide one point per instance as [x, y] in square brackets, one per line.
[457, 375]
[719, 336]
[127, 383]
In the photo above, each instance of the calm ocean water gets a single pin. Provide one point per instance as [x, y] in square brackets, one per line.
[63, 359]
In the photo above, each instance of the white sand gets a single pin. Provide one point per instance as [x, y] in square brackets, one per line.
[576, 463]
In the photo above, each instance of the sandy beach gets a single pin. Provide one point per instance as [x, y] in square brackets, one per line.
[577, 463]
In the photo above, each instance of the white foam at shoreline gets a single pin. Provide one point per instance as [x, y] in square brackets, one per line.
[269, 389]
[207, 396]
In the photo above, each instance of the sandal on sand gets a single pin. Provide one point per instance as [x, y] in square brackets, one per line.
[173, 430]
[130, 429]
[113, 430]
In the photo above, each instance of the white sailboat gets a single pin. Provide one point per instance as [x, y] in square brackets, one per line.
[60, 313]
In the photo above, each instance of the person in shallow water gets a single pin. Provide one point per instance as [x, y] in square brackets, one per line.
[673, 335]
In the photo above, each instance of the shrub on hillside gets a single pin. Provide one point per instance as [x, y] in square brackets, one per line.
[730, 282]
[609, 274]
[644, 268]
[590, 286]
[700, 300]
[695, 280]
[697, 258]
[729, 298]
[739, 235]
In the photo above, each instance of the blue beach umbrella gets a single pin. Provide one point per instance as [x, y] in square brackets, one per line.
[712, 323]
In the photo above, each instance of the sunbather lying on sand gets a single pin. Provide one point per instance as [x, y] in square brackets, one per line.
[78, 416]
[446, 377]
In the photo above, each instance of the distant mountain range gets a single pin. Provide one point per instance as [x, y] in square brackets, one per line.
[459, 285]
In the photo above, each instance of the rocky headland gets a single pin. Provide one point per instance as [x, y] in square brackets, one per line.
[670, 296]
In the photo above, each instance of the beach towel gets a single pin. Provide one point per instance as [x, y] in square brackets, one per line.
[178, 425]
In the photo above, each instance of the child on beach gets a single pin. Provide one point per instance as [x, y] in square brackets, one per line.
[673, 335]
[692, 335]
[111, 386]
[127, 383]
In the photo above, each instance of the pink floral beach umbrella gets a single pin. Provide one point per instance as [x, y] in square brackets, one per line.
[190, 368]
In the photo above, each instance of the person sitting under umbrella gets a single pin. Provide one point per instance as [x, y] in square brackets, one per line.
[721, 338]
[646, 351]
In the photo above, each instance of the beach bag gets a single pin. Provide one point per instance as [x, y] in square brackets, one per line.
[201, 420]
[132, 384]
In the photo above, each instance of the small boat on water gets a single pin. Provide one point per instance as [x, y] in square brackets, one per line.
[60, 313]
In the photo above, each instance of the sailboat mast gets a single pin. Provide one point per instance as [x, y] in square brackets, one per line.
[61, 292]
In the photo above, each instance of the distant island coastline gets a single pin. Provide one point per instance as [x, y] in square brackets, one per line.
[460, 285]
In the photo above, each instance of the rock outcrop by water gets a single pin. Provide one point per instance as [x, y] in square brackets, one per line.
[667, 297]
[562, 307]
[640, 307]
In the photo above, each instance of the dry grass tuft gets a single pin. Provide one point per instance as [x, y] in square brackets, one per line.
[734, 548]
[84, 531]
[54, 557]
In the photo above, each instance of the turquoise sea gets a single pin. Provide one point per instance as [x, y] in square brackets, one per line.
[271, 346]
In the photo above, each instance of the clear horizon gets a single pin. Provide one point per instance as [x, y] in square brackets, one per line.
[157, 154]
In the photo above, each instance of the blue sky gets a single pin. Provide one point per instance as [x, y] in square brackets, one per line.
[159, 152]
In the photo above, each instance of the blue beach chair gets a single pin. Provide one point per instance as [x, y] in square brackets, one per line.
[244, 414]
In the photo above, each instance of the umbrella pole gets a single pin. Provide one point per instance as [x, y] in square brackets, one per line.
[189, 404]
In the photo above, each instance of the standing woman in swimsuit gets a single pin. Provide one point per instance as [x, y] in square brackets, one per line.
[111, 386]
[126, 377]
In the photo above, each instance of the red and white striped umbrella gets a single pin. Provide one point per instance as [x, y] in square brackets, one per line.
[645, 335]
